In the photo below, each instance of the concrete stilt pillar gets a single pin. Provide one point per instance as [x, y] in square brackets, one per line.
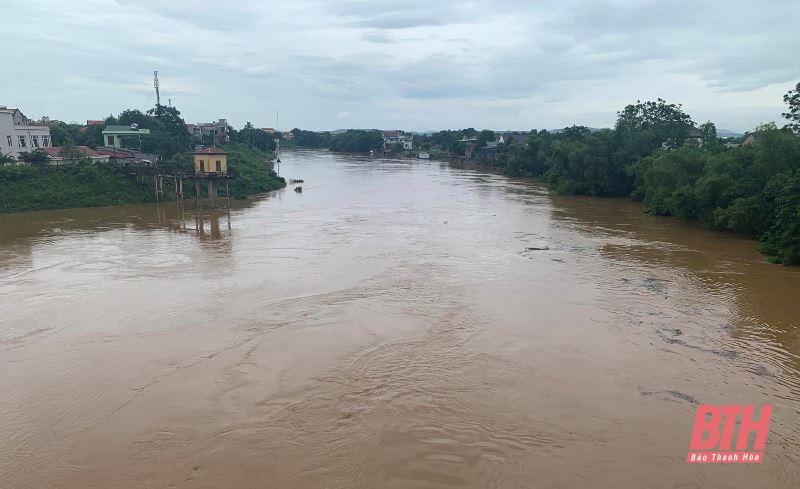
[211, 191]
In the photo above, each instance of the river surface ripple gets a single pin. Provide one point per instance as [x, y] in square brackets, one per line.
[399, 324]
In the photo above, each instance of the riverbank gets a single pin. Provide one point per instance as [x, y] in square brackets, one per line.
[28, 188]
[252, 171]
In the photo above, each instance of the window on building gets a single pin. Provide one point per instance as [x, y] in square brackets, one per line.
[35, 141]
[45, 141]
[10, 142]
[202, 165]
[110, 141]
[22, 143]
[219, 166]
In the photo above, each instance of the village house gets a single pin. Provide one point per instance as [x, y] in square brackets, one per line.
[19, 134]
[218, 130]
[210, 161]
[114, 136]
[696, 135]
[59, 157]
[129, 157]
[392, 138]
[749, 139]
[513, 138]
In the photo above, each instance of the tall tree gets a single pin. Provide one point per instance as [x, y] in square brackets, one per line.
[792, 99]
[710, 139]
[669, 123]
[255, 138]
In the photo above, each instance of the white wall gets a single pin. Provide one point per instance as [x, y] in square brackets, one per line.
[8, 128]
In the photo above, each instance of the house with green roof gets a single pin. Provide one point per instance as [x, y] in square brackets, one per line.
[114, 135]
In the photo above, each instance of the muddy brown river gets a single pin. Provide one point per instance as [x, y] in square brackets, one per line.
[399, 324]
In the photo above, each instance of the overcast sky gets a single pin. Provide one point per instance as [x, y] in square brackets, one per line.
[408, 64]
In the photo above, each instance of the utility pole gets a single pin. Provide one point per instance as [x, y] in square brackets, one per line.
[155, 84]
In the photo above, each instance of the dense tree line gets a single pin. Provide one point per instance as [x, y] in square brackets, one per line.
[350, 141]
[311, 139]
[752, 189]
[168, 134]
[253, 137]
[357, 141]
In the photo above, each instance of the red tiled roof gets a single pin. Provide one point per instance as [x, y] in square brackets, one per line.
[209, 151]
[86, 151]
[391, 134]
[119, 153]
[91, 122]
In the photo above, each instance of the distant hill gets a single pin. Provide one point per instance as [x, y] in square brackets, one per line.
[724, 133]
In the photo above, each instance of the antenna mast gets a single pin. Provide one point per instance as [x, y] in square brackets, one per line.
[155, 84]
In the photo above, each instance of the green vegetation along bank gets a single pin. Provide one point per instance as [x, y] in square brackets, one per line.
[752, 188]
[30, 188]
[250, 173]
[655, 154]
[38, 187]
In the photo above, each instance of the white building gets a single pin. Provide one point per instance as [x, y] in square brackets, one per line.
[18, 133]
[392, 138]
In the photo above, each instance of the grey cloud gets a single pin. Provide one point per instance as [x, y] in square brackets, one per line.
[376, 59]
[377, 37]
[399, 22]
[401, 15]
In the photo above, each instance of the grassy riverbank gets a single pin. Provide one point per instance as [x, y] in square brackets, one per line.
[28, 188]
[250, 171]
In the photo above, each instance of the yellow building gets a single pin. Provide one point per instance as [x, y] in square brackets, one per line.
[210, 161]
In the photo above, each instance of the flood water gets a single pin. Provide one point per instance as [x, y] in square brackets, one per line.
[399, 324]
